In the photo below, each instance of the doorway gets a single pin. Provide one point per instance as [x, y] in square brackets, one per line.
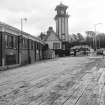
[0, 49]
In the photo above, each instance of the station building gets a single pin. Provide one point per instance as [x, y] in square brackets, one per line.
[58, 41]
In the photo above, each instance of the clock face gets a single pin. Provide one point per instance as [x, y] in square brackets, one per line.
[62, 12]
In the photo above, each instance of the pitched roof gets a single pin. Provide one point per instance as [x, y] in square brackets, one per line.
[61, 5]
[50, 30]
[2, 24]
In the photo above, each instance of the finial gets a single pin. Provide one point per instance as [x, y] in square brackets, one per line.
[61, 2]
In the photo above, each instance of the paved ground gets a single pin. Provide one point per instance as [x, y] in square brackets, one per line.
[64, 81]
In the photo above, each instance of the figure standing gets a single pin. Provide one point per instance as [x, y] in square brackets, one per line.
[74, 52]
[103, 53]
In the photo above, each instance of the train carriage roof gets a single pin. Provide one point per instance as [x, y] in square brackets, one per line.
[10, 29]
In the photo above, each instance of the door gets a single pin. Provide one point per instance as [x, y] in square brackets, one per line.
[0, 48]
[35, 50]
[10, 59]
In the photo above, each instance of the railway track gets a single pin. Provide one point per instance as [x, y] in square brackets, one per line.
[65, 88]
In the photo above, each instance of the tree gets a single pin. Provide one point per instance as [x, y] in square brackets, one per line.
[80, 37]
[74, 37]
[90, 38]
[77, 39]
[90, 33]
[42, 36]
[100, 40]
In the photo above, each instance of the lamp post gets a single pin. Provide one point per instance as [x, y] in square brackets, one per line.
[20, 39]
[22, 19]
[95, 39]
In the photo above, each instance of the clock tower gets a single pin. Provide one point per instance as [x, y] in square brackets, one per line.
[62, 22]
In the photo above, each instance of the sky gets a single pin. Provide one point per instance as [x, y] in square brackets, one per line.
[84, 14]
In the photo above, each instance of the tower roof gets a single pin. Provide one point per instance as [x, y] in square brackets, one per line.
[61, 5]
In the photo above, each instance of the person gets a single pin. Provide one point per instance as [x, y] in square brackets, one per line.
[103, 53]
[74, 52]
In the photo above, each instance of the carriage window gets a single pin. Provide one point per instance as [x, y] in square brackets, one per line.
[6, 40]
[32, 45]
[10, 42]
[37, 45]
[25, 43]
[15, 42]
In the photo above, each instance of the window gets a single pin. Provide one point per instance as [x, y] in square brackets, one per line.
[10, 41]
[63, 36]
[32, 45]
[37, 46]
[63, 47]
[24, 43]
[6, 40]
[56, 45]
[15, 42]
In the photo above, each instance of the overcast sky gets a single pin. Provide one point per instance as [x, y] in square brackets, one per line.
[40, 14]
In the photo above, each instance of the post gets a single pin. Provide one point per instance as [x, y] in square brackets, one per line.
[99, 42]
[21, 26]
[2, 50]
[19, 42]
[96, 36]
[95, 40]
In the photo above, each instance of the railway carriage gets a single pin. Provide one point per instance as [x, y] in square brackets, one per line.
[18, 48]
